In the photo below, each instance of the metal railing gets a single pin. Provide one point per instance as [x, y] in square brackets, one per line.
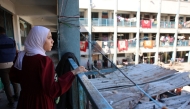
[183, 42]
[88, 95]
[132, 43]
[124, 23]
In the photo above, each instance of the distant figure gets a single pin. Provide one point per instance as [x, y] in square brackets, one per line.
[99, 64]
[95, 63]
[7, 55]
[88, 65]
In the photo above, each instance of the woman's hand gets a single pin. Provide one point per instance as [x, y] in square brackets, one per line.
[78, 70]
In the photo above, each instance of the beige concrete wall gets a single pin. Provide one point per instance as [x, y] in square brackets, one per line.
[7, 4]
[16, 25]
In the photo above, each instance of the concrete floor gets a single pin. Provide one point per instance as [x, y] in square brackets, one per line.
[181, 67]
[4, 101]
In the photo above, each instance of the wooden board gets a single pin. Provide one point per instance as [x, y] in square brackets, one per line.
[177, 102]
[122, 94]
[140, 74]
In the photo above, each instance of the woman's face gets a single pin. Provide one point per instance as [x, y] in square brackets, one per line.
[48, 42]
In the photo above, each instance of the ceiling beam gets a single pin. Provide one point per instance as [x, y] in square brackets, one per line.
[36, 10]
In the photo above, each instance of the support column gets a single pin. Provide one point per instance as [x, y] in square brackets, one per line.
[130, 35]
[184, 18]
[131, 15]
[115, 33]
[86, 13]
[142, 35]
[90, 33]
[100, 36]
[100, 15]
[168, 18]
[100, 57]
[166, 57]
[142, 16]
[150, 36]
[151, 16]
[110, 15]
[188, 57]
[158, 33]
[138, 31]
[181, 54]
[149, 57]
[17, 36]
[110, 37]
[176, 31]
[164, 18]
[68, 43]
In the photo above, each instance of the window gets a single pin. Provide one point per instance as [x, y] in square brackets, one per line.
[83, 56]
[172, 18]
[96, 36]
[81, 14]
[104, 15]
[187, 18]
[6, 21]
[154, 36]
[24, 30]
[94, 15]
[2, 18]
[120, 55]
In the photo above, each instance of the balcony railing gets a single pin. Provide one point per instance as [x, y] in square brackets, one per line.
[102, 22]
[183, 42]
[110, 22]
[167, 24]
[132, 43]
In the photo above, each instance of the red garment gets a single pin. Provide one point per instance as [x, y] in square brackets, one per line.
[123, 45]
[83, 46]
[38, 87]
[146, 23]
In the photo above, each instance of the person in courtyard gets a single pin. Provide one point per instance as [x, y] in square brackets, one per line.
[7, 55]
[35, 72]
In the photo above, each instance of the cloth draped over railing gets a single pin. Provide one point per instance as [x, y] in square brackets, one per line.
[83, 45]
[122, 45]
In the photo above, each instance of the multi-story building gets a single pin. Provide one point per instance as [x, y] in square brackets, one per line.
[19, 16]
[152, 41]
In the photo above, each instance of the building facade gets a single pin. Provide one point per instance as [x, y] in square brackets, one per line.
[150, 42]
[155, 42]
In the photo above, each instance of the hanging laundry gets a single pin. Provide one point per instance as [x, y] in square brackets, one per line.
[83, 46]
[152, 20]
[146, 23]
[181, 37]
[171, 39]
[120, 18]
[162, 39]
[107, 49]
[123, 45]
[148, 44]
[187, 24]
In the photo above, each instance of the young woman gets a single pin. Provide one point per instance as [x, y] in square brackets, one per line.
[35, 72]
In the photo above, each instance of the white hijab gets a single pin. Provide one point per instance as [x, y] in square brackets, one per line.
[33, 44]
